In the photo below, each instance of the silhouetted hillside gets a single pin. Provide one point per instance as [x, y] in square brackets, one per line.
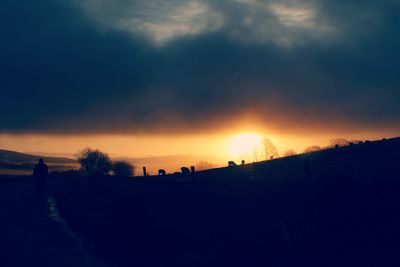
[354, 159]
[337, 207]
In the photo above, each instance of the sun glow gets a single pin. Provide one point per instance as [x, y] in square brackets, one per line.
[244, 144]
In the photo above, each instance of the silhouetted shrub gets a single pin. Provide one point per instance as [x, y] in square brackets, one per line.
[338, 142]
[123, 169]
[94, 162]
[289, 153]
[312, 149]
[204, 165]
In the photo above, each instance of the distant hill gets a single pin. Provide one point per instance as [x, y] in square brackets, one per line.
[12, 162]
[171, 163]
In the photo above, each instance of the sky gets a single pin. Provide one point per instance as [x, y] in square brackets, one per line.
[169, 77]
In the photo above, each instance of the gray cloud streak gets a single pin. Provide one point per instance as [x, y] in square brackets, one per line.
[72, 68]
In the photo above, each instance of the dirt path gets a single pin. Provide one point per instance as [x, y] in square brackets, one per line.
[33, 234]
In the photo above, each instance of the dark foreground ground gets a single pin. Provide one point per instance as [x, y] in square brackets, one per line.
[33, 234]
[338, 207]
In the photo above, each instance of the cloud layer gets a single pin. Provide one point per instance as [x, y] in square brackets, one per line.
[162, 66]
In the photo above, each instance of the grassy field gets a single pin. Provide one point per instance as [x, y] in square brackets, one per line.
[337, 207]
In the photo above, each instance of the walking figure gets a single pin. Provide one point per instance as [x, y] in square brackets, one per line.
[40, 173]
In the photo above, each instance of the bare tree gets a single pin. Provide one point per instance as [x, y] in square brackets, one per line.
[94, 162]
[255, 154]
[123, 169]
[269, 149]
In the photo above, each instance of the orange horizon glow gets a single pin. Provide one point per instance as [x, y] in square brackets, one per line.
[244, 144]
[170, 152]
[225, 144]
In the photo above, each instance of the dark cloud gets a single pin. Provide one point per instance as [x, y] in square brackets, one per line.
[68, 67]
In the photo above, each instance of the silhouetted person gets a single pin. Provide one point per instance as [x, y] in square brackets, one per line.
[40, 173]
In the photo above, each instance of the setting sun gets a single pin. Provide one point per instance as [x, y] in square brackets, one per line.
[244, 144]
